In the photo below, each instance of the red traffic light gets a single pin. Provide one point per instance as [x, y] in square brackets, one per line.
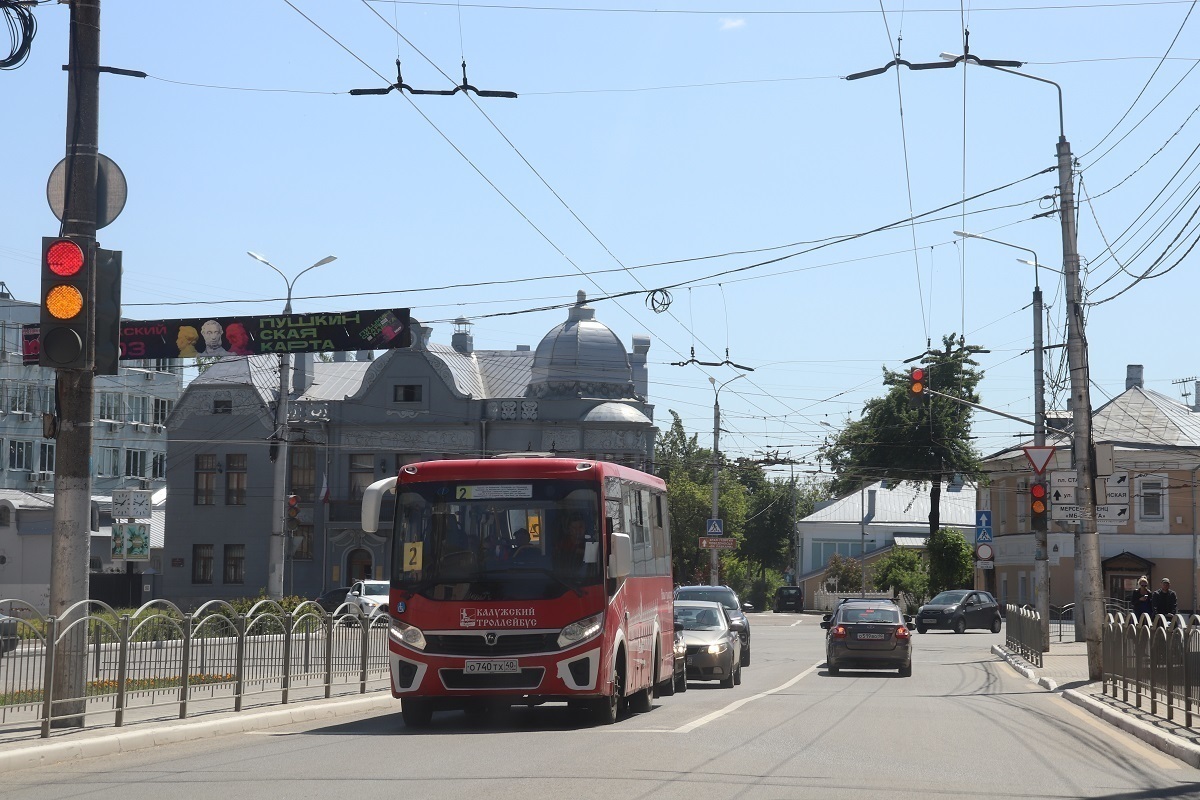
[1037, 496]
[64, 258]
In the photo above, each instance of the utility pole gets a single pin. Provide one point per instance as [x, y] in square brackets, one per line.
[70, 542]
[713, 563]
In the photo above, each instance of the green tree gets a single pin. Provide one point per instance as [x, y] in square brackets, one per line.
[950, 560]
[843, 574]
[894, 440]
[902, 572]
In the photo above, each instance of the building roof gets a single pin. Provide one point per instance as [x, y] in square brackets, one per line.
[261, 372]
[905, 504]
[616, 412]
[581, 350]
[22, 499]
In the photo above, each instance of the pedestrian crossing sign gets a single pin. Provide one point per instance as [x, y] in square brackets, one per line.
[713, 528]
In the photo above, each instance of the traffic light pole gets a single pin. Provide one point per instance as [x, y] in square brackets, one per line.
[70, 542]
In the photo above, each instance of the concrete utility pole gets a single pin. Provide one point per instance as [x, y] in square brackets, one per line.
[278, 551]
[713, 563]
[70, 542]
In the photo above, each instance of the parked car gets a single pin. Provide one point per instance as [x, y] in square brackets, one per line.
[331, 600]
[9, 637]
[729, 600]
[371, 597]
[958, 610]
[714, 649]
[869, 634]
[789, 598]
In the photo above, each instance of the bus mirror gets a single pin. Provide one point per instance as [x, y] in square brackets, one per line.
[620, 556]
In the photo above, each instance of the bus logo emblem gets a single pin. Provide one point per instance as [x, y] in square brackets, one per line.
[490, 638]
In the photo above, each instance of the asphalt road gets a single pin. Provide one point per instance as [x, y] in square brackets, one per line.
[964, 726]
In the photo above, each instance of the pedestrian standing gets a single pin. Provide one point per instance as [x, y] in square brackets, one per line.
[1165, 600]
[1141, 601]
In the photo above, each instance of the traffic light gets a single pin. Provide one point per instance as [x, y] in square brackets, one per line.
[1039, 506]
[291, 519]
[916, 387]
[108, 311]
[66, 304]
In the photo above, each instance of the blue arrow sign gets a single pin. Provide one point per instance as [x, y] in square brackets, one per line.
[713, 527]
[983, 526]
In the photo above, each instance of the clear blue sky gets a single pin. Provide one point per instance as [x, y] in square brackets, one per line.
[650, 148]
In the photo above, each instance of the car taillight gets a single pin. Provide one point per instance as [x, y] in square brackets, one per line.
[902, 632]
[839, 632]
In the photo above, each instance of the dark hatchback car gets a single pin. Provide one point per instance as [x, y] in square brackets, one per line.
[959, 610]
[729, 599]
[333, 598]
[789, 598]
[868, 634]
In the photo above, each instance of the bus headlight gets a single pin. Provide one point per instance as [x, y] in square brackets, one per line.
[403, 633]
[581, 631]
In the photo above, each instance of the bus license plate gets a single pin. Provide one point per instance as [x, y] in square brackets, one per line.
[493, 667]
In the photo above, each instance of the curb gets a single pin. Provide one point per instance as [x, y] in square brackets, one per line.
[1160, 740]
[127, 740]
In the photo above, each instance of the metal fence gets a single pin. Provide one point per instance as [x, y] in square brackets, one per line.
[1156, 661]
[1023, 633]
[93, 662]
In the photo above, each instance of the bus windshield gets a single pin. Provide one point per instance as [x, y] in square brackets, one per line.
[497, 539]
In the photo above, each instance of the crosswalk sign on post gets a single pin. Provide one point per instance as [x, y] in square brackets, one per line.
[983, 526]
[713, 527]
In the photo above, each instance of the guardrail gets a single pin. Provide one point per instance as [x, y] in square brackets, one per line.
[1023, 633]
[1154, 659]
[55, 671]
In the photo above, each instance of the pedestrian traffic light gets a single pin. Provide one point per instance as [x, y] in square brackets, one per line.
[65, 328]
[291, 519]
[1039, 506]
[108, 311]
[916, 387]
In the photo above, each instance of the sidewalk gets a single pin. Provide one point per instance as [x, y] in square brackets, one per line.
[1065, 670]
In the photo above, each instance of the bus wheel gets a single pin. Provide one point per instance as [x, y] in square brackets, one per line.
[416, 711]
[608, 709]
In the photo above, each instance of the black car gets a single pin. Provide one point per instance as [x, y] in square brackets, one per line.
[869, 634]
[960, 609]
[729, 599]
[9, 636]
[789, 598]
[333, 598]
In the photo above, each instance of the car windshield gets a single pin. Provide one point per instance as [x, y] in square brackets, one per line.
[723, 596]
[375, 588]
[948, 598]
[880, 615]
[699, 619]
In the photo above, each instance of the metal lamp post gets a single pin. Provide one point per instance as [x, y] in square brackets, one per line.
[278, 550]
[716, 487]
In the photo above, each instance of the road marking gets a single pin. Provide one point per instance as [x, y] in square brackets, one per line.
[794, 624]
[1134, 744]
[734, 706]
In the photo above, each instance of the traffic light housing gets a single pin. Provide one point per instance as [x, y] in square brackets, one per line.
[916, 387]
[66, 304]
[108, 311]
[291, 517]
[1039, 506]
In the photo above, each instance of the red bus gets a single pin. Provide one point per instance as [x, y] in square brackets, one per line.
[524, 580]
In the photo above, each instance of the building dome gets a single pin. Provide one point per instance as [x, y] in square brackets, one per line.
[581, 358]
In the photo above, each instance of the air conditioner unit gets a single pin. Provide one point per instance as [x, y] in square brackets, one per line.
[114, 426]
[41, 477]
[26, 415]
[149, 375]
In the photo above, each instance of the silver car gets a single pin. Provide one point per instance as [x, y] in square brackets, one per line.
[714, 649]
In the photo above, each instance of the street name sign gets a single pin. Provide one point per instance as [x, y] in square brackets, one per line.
[718, 543]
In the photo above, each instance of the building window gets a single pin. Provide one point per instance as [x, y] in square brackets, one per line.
[159, 467]
[407, 393]
[139, 408]
[302, 476]
[202, 563]
[362, 474]
[162, 409]
[46, 399]
[20, 455]
[304, 548]
[18, 397]
[110, 406]
[46, 456]
[135, 463]
[222, 406]
[206, 481]
[235, 564]
[1151, 493]
[108, 462]
[235, 479]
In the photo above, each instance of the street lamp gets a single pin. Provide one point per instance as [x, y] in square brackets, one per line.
[278, 550]
[716, 487]
[1041, 563]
